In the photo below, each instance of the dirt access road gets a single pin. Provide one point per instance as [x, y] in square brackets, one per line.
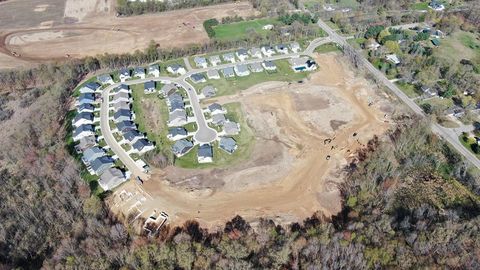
[45, 32]
[288, 177]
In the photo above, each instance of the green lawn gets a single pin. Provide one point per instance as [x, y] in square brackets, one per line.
[238, 30]
[468, 142]
[245, 142]
[356, 42]
[420, 6]
[457, 46]
[439, 103]
[326, 48]
[408, 89]
[229, 86]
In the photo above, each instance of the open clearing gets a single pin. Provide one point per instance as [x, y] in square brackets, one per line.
[287, 176]
[81, 28]
[242, 29]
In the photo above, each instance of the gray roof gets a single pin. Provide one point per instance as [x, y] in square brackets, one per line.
[153, 68]
[177, 105]
[298, 61]
[122, 113]
[87, 142]
[168, 89]
[199, 60]
[139, 70]
[218, 119]
[212, 73]
[294, 45]
[120, 95]
[228, 144]
[83, 128]
[281, 47]
[177, 131]
[101, 164]
[231, 128]
[177, 114]
[111, 178]
[83, 115]
[228, 56]
[241, 68]
[175, 67]
[269, 64]
[256, 67]
[92, 85]
[205, 150]
[242, 51]
[215, 106]
[104, 78]
[181, 146]
[87, 97]
[125, 126]
[215, 58]
[123, 105]
[268, 48]
[86, 106]
[125, 72]
[132, 134]
[197, 77]
[140, 144]
[93, 153]
[149, 85]
[228, 71]
[124, 87]
[208, 91]
[254, 51]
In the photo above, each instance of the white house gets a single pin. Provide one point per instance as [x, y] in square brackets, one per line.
[200, 61]
[256, 52]
[176, 69]
[83, 131]
[268, 51]
[154, 70]
[139, 72]
[295, 47]
[105, 79]
[242, 70]
[229, 57]
[213, 74]
[242, 54]
[124, 74]
[302, 64]
[372, 44]
[216, 108]
[177, 118]
[281, 48]
[392, 58]
[215, 60]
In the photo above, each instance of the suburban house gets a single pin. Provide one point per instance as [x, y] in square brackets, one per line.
[125, 126]
[121, 97]
[182, 147]
[83, 131]
[154, 70]
[101, 164]
[176, 69]
[124, 74]
[302, 64]
[228, 72]
[227, 144]
[123, 88]
[105, 79]
[295, 47]
[371, 44]
[90, 87]
[455, 111]
[215, 60]
[256, 52]
[269, 65]
[86, 107]
[91, 154]
[111, 178]
[218, 119]
[231, 128]
[122, 105]
[139, 72]
[268, 51]
[392, 58]
[177, 133]
[168, 89]
[427, 91]
[87, 98]
[198, 78]
[242, 70]
[175, 102]
[177, 118]
[200, 62]
[229, 57]
[132, 136]
[85, 143]
[256, 67]
[205, 153]
[149, 87]
[242, 54]
[281, 48]
[122, 115]
[208, 91]
[142, 146]
[216, 108]
[84, 118]
[436, 5]
[212, 74]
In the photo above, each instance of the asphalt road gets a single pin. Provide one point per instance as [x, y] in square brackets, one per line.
[436, 128]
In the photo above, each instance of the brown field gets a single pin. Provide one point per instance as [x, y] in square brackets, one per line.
[288, 177]
[90, 27]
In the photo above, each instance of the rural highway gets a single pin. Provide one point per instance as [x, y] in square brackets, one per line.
[436, 128]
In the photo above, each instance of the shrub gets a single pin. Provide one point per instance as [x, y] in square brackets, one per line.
[208, 25]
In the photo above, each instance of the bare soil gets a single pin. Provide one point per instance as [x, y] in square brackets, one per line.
[90, 27]
[292, 172]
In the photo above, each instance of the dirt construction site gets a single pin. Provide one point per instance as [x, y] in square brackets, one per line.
[305, 133]
[57, 29]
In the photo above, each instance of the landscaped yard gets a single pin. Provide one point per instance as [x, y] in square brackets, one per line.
[245, 142]
[471, 144]
[408, 89]
[229, 86]
[240, 30]
[439, 103]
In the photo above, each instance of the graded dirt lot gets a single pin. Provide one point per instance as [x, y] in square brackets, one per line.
[293, 171]
[90, 27]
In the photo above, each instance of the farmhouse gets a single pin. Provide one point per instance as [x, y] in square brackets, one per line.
[256, 67]
[142, 146]
[168, 89]
[91, 154]
[215, 60]
[122, 115]
[90, 87]
[124, 74]
[177, 133]
[200, 62]
[87, 98]
[176, 69]
[154, 70]
[295, 47]
[213, 74]
[139, 72]
[281, 48]
[125, 126]
[132, 136]
[231, 128]
[87, 107]
[208, 91]
[269, 65]
[216, 108]
[229, 57]
[111, 178]
[105, 79]
[198, 78]
[229, 145]
[182, 147]
[302, 64]
[242, 70]
[177, 118]
[84, 118]
[83, 131]
[85, 143]
[218, 119]
[268, 51]
[228, 72]
[242, 54]
[256, 52]
[149, 87]
[205, 153]
[101, 164]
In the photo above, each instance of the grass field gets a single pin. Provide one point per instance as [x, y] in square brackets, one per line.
[245, 142]
[240, 30]
[459, 45]
[326, 48]
[420, 6]
[408, 89]
[439, 103]
[229, 86]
